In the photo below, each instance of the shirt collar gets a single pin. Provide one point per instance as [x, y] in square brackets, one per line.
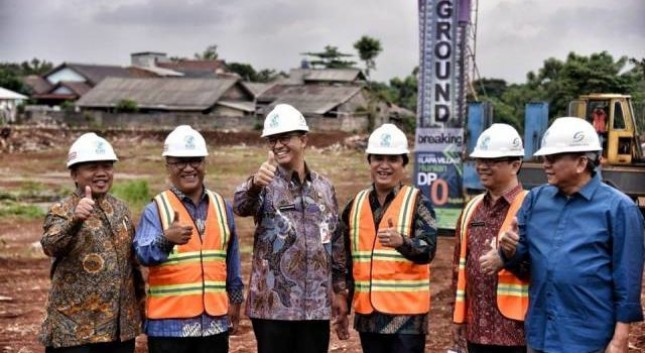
[508, 196]
[183, 196]
[392, 194]
[590, 188]
[291, 175]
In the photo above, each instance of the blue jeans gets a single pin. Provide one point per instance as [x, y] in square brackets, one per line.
[531, 350]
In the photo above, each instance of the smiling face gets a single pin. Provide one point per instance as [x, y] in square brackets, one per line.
[387, 171]
[566, 171]
[288, 149]
[97, 175]
[186, 174]
[497, 174]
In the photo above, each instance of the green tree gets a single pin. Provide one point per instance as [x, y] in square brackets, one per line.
[330, 58]
[35, 67]
[209, 54]
[368, 49]
[559, 82]
[11, 74]
[494, 87]
[405, 90]
[11, 81]
[246, 71]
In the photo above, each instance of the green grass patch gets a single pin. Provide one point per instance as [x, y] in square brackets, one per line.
[10, 208]
[135, 193]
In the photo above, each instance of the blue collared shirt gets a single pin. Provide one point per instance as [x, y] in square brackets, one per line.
[152, 248]
[586, 256]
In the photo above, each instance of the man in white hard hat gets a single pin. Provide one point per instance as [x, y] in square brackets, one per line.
[490, 306]
[187, 238]
[296, 244]
[584, 242]
[390, 235]
[96, 285]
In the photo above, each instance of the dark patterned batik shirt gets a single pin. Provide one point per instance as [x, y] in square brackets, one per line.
[486, 325]
[295, 246]
[96, 285]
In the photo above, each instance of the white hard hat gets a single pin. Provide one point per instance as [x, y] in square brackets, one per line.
[569, 134]
[184, 141]
[499, 140]
[90, 147]
[387, 139]
[284, 118]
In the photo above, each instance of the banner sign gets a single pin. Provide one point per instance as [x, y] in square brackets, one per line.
[439, 173]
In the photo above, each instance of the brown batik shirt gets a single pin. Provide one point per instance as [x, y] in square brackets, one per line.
[96, 285]
[485, 323]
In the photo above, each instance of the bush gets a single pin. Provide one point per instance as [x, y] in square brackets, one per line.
[127, 106]
[135, 193]
[11, 208]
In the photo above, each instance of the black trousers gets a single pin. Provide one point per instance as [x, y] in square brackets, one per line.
[109, 347]
[486, 348]
[209, 344]
[278, 336]
[396, 343]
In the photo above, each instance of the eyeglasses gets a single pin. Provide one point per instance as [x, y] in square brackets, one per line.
[185, 162]
[553, 158]
[283, 139]
[492, 161]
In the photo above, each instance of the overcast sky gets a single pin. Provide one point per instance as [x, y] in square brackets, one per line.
[513, 37]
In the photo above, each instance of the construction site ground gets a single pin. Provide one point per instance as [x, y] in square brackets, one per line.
[32, 166]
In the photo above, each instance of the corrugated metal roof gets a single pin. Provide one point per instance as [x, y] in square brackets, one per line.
[257, 88]
[80, 88]
[96, 73]
[158, 93]
[310, 99]
[8, 94]
[299, 76]
[38, 84]
[244, 106]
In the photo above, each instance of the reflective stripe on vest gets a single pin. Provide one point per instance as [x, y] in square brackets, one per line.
[512, 293]
[386, 281]
[193, 278]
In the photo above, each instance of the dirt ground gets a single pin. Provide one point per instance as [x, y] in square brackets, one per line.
[24, 271]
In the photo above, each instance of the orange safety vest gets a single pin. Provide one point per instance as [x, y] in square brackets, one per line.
[512, 292]
[384, 280]
[193, 278]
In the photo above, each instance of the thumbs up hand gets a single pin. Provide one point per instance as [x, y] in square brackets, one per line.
[266, 173]
[178, 233]
[389, 237]
[85, 206]
[491, 262]
[508, 241]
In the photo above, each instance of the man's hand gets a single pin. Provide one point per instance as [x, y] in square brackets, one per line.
[389, 237]
[266, 173]
[490, 262]
[177, 233]
[620, 341]
[234, 318]
[85, 206]
[508, 241]
[340, 315]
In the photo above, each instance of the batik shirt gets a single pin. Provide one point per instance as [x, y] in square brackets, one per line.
[93, 275]
[296, 244]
